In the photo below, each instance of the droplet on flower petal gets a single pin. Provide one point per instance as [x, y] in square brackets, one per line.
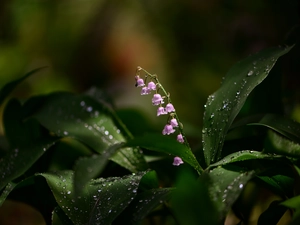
[170, 108]
[151, 86]
[145, 91]
[173, 122]
[168, 130]
[180, 138]
[161, 111]
[157, 99]
[177, 161]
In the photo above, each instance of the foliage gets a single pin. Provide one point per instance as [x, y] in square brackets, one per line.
[77, 151]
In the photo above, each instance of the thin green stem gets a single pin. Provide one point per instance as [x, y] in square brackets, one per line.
[199, 169]
[154, 77]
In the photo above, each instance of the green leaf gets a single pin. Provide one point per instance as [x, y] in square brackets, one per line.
[168, 145]
[143, 204]
[59, 217]
[9, 87]
[18, 160]
[223, 106]
[293, 203]
[277, 144]
[191, 202]
[101, 201]
[83, 118]
[227, 183]
[280, 178]
[9, 187]
[242, 156]
[89, 167]
[27, 144]
[282, 125]
[149, 181]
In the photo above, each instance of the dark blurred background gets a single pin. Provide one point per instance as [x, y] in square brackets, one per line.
[190, 44]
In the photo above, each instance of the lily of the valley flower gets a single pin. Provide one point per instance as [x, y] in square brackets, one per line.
[139, 82]
[180, 138]
[168, 129]
[157, 99]
[145, 91]
[161, 111]
[170, 108]
[177, 161]
[172, 125]
[173, 122]
[151, 86]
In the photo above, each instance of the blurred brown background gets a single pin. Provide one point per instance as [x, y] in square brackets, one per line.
[190, 45]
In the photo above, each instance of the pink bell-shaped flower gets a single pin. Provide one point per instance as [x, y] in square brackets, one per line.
[139, 82]
[173, 122]
[177, 161]
[180, 138]
[145, 91]
[151, 86]
[168, 130]
[161, 111]
[157, 99]
[170, 108]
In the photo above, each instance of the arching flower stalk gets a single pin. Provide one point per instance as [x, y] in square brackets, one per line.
[173, 123]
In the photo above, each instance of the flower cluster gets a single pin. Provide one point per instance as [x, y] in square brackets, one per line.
[158, 100]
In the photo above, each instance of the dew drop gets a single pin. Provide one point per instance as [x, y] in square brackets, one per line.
[250, 73]
[89, 109]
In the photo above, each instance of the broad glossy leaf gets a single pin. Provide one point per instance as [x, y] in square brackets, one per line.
[9, 187]
[293, 203]
[168, 145]
[66, 152]
[282, 125]
[280, 145]
[143, 204]
[280, 178]
[59, 217]
[101, 201]
[87, 168]
[85, 119]
[242, 156]
[223, 106]
[191, 202]
[27, 144]
[9, 87]
[18, 160]
[227, 183]
[101, 96]
[149, 181]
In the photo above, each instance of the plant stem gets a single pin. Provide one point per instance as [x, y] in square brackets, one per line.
[154, 77]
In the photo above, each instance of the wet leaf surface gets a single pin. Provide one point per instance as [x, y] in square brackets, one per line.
[227, 183]
[101, 201]
[83, 118]
[282, 125]
[168, 145]
[143, 204]
[244, 155]
[27, 144]
[87, 168]
[223, 106]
